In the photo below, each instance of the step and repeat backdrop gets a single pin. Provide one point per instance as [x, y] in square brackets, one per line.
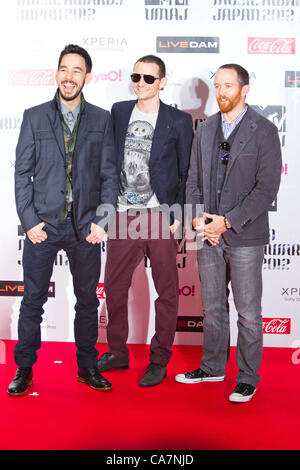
[193, 37]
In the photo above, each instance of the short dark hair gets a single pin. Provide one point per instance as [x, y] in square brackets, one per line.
[149, 59]
[242, 73]
[74, 49]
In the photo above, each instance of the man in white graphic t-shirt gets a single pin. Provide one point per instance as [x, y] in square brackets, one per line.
[153, 143]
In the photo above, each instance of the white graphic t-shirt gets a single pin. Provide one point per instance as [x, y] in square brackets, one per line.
[135, 187]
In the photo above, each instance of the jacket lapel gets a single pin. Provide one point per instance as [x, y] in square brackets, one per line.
[82, 128]
[56, 127]
[163, 126]
[121, 130]
[207, 149]
[245, 132]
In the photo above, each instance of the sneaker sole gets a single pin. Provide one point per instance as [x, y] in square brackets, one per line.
[21, 393]
[85, 381]
[238, 398]
[184, 380]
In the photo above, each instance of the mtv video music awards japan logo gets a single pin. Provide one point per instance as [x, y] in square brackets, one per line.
[9, 123]
[62, 10]
[166, 10]
[279, 255]
[255, 10]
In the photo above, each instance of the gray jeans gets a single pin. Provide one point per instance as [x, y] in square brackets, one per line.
[242, 266]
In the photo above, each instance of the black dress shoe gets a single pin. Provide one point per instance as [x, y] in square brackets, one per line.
[91, 376]
[154, 375]
[109, 361]
[21, 382]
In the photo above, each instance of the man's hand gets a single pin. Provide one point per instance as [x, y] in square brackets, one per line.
[199, 225]
[36, 234]
[214, 229]
[96, 234]
[174, 227]
[211, 231]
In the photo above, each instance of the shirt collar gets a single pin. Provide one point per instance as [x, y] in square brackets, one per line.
[228, 128]
[237, 119]
[65, 110]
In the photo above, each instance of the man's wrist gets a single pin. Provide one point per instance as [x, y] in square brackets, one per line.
[195, 222]
[226, 223]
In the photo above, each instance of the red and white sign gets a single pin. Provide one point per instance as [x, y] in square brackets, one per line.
[277, 326]
[271, 45]
[100, 291]
[31, 77]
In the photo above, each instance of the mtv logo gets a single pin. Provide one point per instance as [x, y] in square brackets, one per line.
[154, 2]
[165, 2]
[275, 114]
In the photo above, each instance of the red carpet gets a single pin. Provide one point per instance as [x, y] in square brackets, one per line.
[60, 413]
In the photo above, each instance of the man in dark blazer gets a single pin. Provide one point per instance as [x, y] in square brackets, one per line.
[235, 173]
[153, 142]
[65, 178]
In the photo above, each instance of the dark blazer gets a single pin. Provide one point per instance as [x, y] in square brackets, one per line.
[252, 177]
[170, 151]
[40, 175]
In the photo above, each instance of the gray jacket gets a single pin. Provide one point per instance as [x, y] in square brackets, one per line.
[252, 177]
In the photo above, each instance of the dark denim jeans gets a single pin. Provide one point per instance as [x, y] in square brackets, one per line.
[243, 267]
[85, 263]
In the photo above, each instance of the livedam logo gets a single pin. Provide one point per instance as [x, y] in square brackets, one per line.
[188, 44]
[16, 289]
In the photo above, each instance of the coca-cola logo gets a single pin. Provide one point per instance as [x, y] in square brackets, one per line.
[277, 326]
[31, 77]
[100, 291]
[271, 45]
